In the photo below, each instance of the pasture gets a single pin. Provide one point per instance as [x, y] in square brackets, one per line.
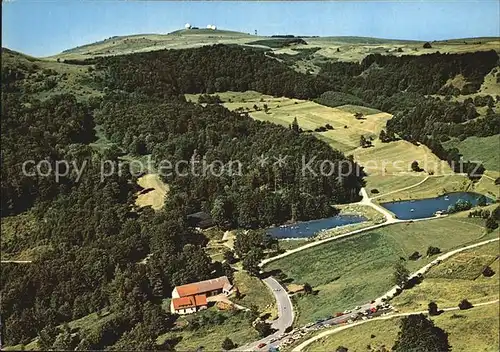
[474, 330]
[483, 149]
[237, 327]
[356, 269]
[346, 131]
[456, 278]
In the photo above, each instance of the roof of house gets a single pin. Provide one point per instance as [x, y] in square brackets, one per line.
[189, 302]
[200, 219]
[204, 286]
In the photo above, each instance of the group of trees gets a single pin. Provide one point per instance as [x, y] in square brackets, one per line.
[208, 69]
[492, 218]
[250, 245]
[35, 131]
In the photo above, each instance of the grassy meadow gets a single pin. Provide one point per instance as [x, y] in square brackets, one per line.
[237, 327]
[254, 292]
[484, 149]
[310, 115]
[432, 187]
[456, 278]
[357, 269]
[474, 330]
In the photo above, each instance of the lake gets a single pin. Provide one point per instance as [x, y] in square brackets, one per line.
[425, 208]
[310, 228]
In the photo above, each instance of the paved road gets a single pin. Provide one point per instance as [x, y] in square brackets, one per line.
[285, 316]
[344, 327]
[284, 305]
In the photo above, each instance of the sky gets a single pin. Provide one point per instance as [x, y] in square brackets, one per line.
[47, 27]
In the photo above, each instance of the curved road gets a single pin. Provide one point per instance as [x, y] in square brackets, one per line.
[285, 316]
[344, 327]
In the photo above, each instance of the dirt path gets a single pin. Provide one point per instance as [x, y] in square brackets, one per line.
[341, 328]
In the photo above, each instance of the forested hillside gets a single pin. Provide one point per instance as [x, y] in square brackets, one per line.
[92, 233]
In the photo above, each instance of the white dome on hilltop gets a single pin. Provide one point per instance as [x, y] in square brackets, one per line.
[187, 26]
[209, 26]
[214, 27]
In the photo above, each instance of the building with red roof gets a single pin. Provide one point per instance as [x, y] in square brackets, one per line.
[191, 298]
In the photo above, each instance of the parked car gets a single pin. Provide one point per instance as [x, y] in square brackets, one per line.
[260, 345]
[339, 314]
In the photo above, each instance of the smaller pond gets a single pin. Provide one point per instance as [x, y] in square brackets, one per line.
[310, 228]
[426, 208]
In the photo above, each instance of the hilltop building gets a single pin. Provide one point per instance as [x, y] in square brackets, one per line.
[190, 298]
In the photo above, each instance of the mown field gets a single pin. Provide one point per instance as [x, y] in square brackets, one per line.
[474, 330]
[456, 278]
[357, 269]
[155, 197]
[346, 128]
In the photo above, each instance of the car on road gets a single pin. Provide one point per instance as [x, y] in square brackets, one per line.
[339, 314]
[260, 345]
[274, 339]
[357, 307]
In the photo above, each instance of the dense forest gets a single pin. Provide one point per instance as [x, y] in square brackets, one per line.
[94, 237]
[260, 195]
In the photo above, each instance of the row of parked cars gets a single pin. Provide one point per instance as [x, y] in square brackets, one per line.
[350, 317]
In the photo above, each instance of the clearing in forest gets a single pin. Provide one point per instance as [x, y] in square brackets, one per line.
[153, 193]
[345, 130]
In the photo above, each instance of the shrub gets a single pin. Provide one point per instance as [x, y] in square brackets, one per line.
[488, 271]
[374, 191]
[414, 256]
[433, 251]
[491, 224]
[228, 344]
[415, 167]
[433, 308]
[465, 304]
[427, 45]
